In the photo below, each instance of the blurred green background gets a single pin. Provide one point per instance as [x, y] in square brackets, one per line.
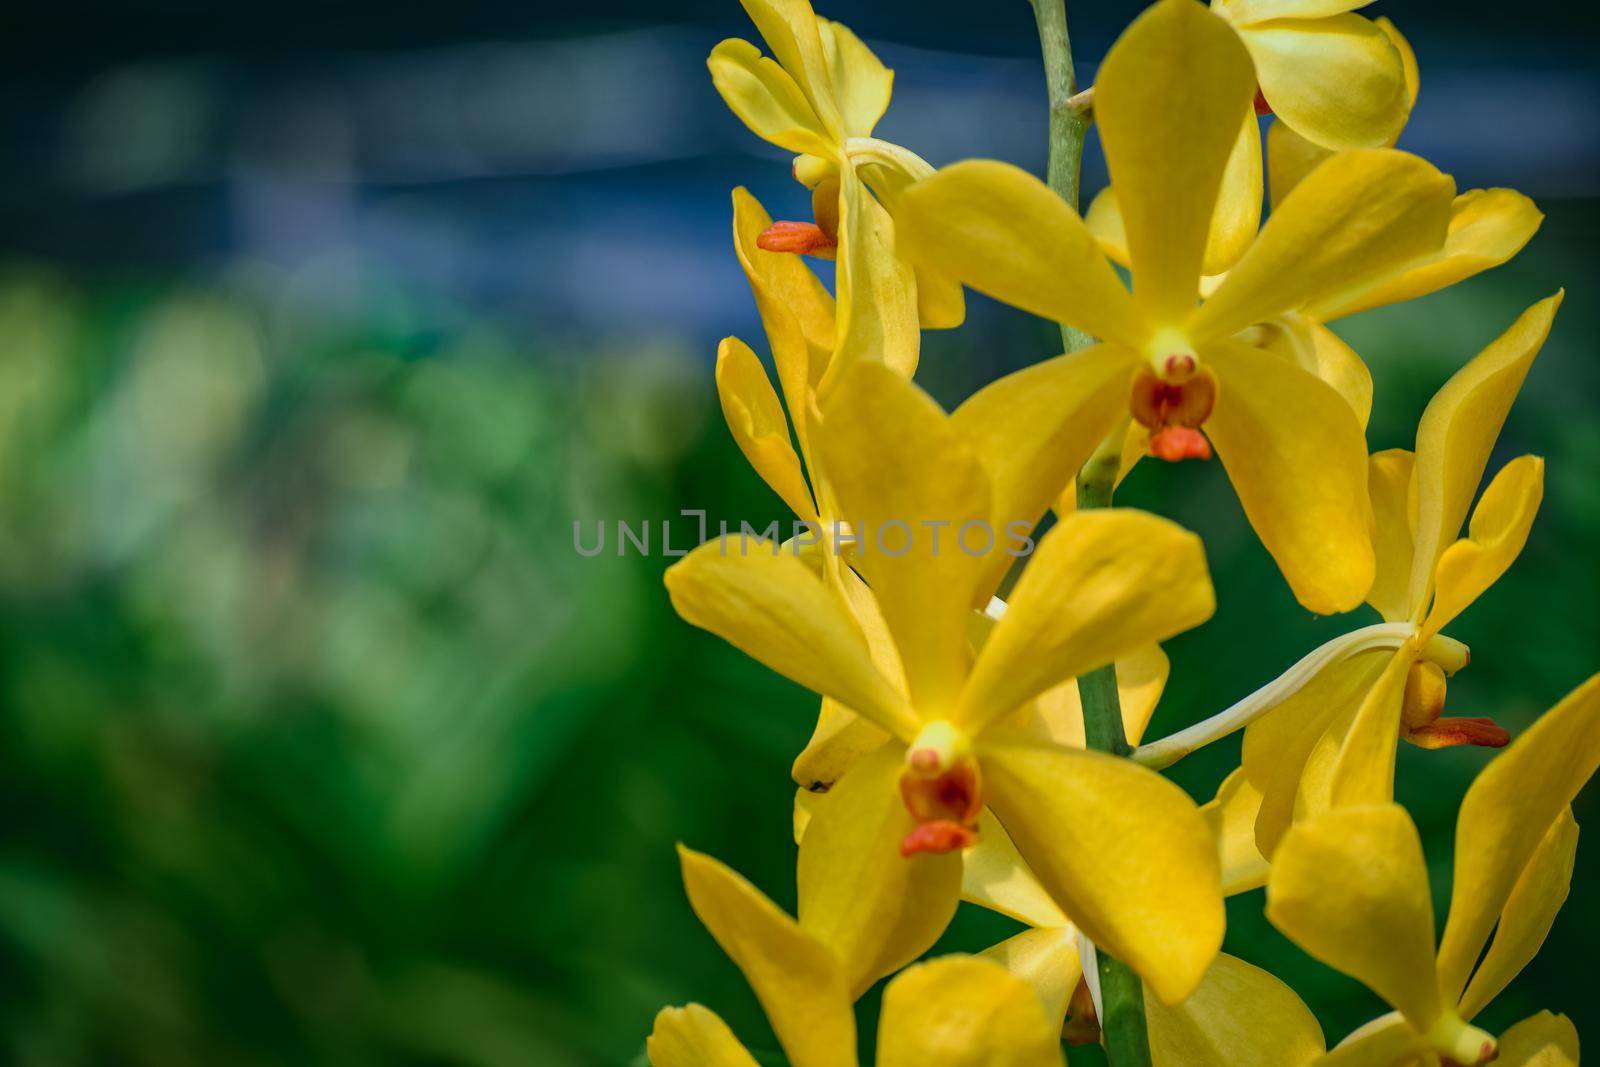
[319, 743]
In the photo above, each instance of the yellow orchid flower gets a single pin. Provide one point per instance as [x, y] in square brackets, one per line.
[1333, 742]
[1515, 840]
[1123, 851]
[1291, 445]
[819, 97]
[954, 1011]
[1332, 76]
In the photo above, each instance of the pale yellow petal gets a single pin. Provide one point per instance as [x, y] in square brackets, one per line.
[694, 1036]
[1297, 457]
[1237, 216]
[1124, 852]
[1278, 746]
[1389, 482]
[1408, 57]
[796, 311]
[962, 1011]
[876, 909]
[1232, 816]
[1364, 772]
[1353, 221]
[941, 305]
[1319, 350]
[1047, 959]
[877, 290]
[1351, 888]
[1387, 1042]
[770, 605]
[1033, 429]
[1487, 227]
[1529, 914]
[1337, 364]
[995, 877]
[791, 30]
[1290, 157]
[1458, 431]
[1506, 814]
[1542, 1040]
[1495, 537]
[1141, 677]
[1239, 1016]
[1003, 232]
[1104, 220]
[1245, 12]
[1101, 584]
[841, 738]
[759, 426]
[765, 98]
[908, 495]
[1167, 145]
[861, 83]
[805, 806]
[796, 978]
[1234, 222]
[940, 302]
[1338, 80]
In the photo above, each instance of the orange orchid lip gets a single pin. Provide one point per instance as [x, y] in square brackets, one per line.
[800, 238]
[937, 837]
[1449, 733]
[1176, 443]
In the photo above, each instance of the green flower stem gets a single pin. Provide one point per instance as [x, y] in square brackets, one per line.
[1122, 1022]
[1068, 122]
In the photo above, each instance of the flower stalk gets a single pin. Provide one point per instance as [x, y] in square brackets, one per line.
[1068, 124]
[1122, 1024]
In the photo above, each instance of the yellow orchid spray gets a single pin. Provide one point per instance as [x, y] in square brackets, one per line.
[970, 748]
[820, 97]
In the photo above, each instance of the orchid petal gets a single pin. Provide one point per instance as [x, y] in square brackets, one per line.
[1102, 584]
[1353, 221]
[963, 1011]
[1167, 146]
[1505, 816]
[1003, 232]
[1458, 431]
[1296, 455]
[876, 909]
[795, 977]
[1123, 851]
[1373, 920]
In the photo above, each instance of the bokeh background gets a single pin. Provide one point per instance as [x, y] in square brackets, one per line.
[320, 324]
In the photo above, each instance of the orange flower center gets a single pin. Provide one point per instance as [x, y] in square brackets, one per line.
[801, 238]
[1421, 708]
[945, 803]
[1172, 405]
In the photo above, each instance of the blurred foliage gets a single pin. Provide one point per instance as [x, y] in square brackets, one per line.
[319, 743]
